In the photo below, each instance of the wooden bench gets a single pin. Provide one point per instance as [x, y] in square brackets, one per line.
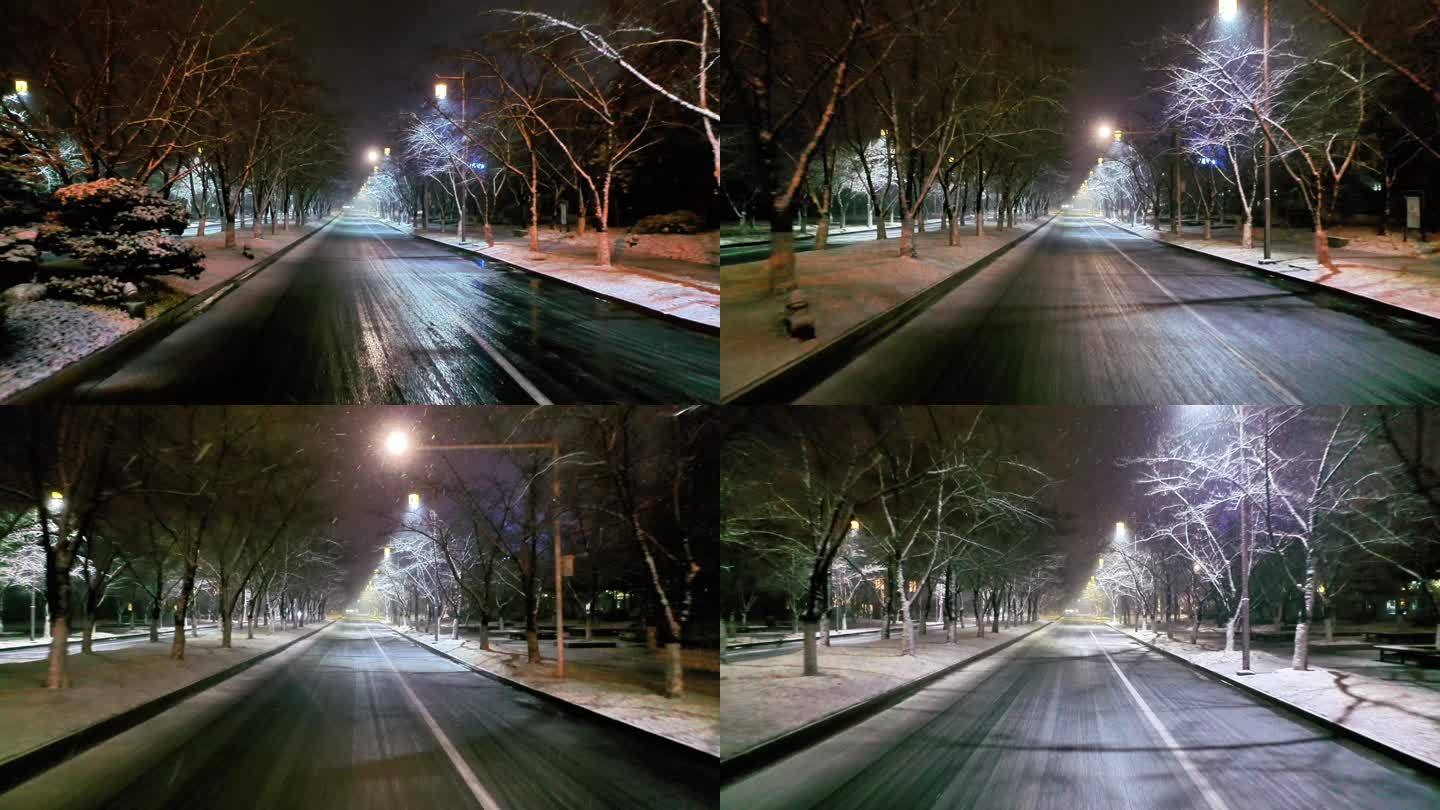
[1422, 655]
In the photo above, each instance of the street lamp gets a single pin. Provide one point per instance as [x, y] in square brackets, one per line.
[441, 90]
[373, 156]
[56, 502]
[397, 443]
[1229, 9]
[440, 93]
[854, 525]
[1105, 131]
[414, 503]
[22, 87]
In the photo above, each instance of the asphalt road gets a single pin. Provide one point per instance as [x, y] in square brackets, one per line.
[363, 718]
[1054, 723]
[749, 252]
[1084, 313]
[361, 313]
[28, 653]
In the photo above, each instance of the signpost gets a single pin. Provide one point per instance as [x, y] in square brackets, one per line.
[1412, 215]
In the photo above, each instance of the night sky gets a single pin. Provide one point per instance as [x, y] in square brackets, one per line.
[379, 57]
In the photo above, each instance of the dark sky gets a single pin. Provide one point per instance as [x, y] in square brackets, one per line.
[379, 56]
[1109, 77]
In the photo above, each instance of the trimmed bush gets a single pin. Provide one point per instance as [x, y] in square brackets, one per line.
[117, 229]
[673, 222]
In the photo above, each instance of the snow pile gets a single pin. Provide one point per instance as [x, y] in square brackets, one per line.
[38, 338]
[767, 697]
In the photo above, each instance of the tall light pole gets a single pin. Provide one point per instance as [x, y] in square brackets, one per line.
[440, 93]
[397, 443]
[1228, 10]
[1244, 556]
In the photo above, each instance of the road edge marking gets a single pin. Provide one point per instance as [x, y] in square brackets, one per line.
[1211, 797]
[458, 762]
[1220, 337]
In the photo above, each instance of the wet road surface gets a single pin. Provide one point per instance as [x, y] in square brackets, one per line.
[361, 313]
[363, 718]
[1086, 313]
[1077, 717]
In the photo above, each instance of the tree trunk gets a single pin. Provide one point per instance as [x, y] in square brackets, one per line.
[87, 636]
[1301, 657]
[812, 657]
[979, 616]
[1230, 633]
[674, 671]
[55, 676]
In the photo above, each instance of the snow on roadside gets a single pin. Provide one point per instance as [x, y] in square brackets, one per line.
[109, 682]
[614, 691]
[767, 697]
[38, 338]
[1399, 714]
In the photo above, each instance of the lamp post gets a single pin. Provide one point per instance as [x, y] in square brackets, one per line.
[1229, 10]
[441, 91]
[397, 443]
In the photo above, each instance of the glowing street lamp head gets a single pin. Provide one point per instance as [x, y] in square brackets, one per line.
[387, 151]
[1104, 131]
[373, 155]
[854, 525]
[397, 443]
[1229, 9]
[414, 503]
[441, 91]
[22, 87]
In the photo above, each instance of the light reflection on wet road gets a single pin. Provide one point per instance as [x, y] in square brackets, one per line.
[364, 314]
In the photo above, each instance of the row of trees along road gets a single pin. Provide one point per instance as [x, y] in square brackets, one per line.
[563, 109]
[918, 101]
[636, 508]
[1350, 104]
[205, 103]
[890, 506]
[1340, 508]
[166, 503]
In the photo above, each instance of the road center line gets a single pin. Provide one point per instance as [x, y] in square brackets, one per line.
[1219, 337]
[471, 781]
[1211, 797]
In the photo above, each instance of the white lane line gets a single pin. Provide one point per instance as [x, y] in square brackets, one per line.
[494, 353]
[1211, 797]
[1219, 337]
[476, 789]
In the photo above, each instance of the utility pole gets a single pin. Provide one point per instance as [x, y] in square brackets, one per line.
[1244, 556]
[1265, 57]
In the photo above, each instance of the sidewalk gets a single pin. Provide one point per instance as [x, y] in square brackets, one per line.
[765, 698]
[1384, 269]
[140, 631]
[844, 288]
[623, 683]
[672, 274]
[773, 639]
[108, 683]
[39, 338]
[1398, 714]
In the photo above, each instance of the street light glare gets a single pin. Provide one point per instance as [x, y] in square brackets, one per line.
[22, 87]
[373, 155]
[441, 90]
[397, 442]
[414, 501]
[1229, 9]
[1103, 131]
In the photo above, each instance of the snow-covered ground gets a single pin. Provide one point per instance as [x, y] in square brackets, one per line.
[39, 338]
[1401, 715]
[107, 683]
[1383, 268]
[843, 287]
[674, 274]
[767, 697]
[623, 683]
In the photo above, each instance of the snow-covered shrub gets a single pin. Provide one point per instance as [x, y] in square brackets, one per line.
[116, 228]
[20, 210]
[673, 222]
[101, 289]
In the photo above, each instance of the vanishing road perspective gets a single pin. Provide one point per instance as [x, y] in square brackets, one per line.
[1084, 312]
[357, 716]
[362, 313]
[1079, 716]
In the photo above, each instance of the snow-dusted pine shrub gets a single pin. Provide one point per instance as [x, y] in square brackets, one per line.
[117, 229]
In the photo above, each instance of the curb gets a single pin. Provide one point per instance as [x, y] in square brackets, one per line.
[145, 634]
[694, 326]
[1393, 310]
[790, 381]
[25, 766]
[768, 752]
[686, 750]
[1414, 761]
[106, 359]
